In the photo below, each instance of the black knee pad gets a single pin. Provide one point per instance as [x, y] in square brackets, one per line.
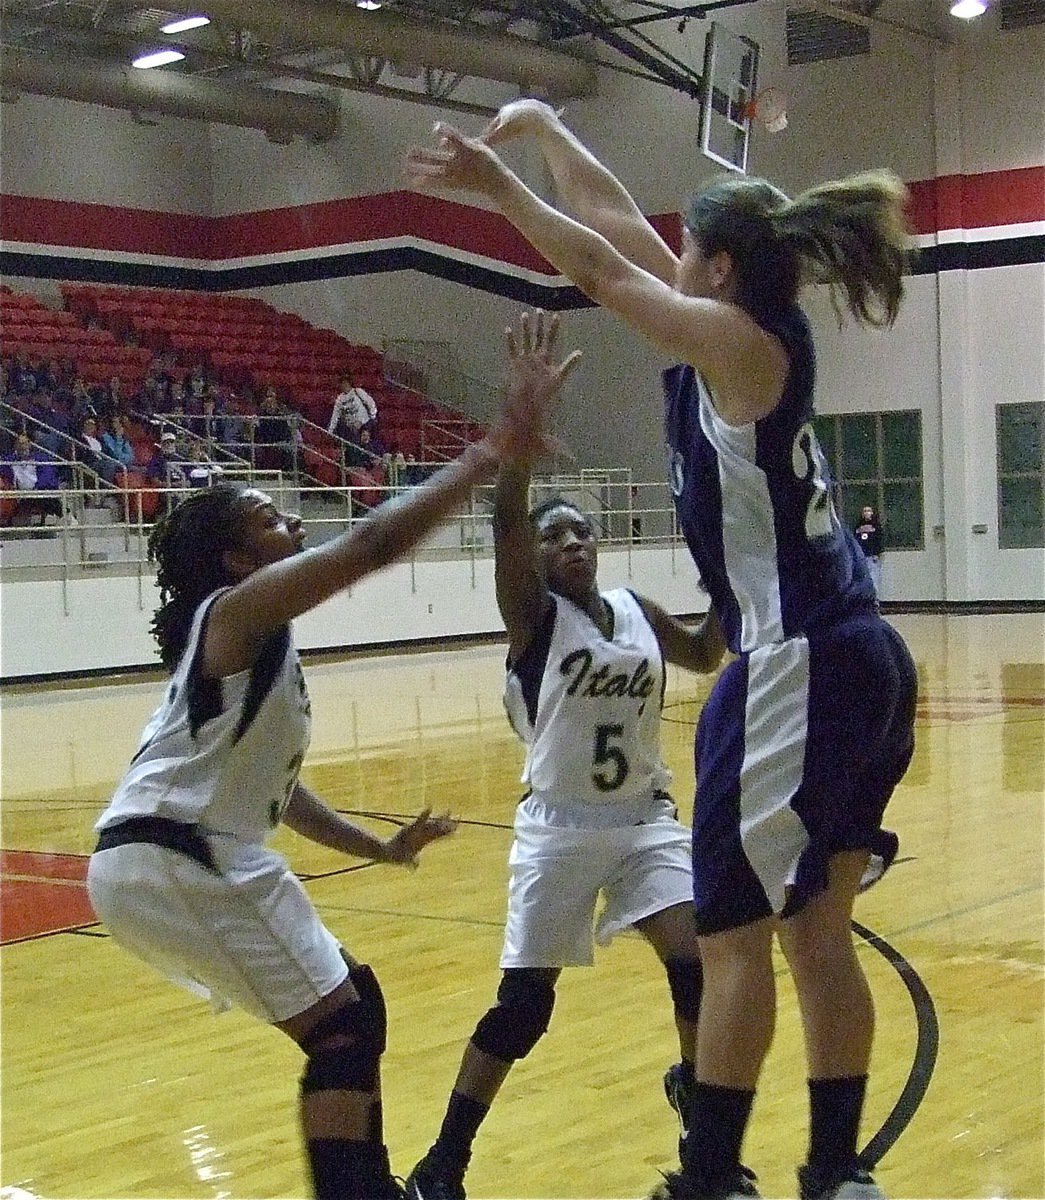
[512, 1028]
[686, 981]
[365, 982]
[344, 1049]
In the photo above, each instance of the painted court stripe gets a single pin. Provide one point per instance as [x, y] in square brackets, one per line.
[926, 1050]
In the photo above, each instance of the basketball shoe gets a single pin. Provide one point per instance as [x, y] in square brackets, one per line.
[685, 1185]
[434, 1179]
[854, 1183]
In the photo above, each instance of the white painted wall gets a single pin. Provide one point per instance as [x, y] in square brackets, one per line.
[47, 626]
[65, 150]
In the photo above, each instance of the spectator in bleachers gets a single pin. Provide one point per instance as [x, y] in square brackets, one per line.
[155, 470]
[116, 445]
[29, 469]
[274, 441]
[52, 432]
[202, 471]
[145, 402]
[65, 373]
[194, 387]
[12, 423]
[111, 400]
[238, 424]
[81, 403]
[167, 467]
[395, 466]
[46, 376]
[361, 450]
[22, 377]
[354, 409]
[218, 430]
[172, 396]
[90, 452]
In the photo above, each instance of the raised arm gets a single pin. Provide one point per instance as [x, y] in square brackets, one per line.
[588, 188]
[692, 647]
[744, 366]
[522, 596]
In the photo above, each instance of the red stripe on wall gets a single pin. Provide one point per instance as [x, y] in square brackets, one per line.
[368, 218]
[105, 227]
[978, 201]
[950, 202]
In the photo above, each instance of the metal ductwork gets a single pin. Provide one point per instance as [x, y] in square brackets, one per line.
[462, 49]
[280, 114]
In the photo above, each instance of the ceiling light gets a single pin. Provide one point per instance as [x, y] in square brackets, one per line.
[184, 23]
[967, 9]
[369, 5]
[159, 58]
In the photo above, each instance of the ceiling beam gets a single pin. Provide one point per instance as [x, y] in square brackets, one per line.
[280, 114]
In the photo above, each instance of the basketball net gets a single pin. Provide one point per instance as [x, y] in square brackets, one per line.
[769, 108]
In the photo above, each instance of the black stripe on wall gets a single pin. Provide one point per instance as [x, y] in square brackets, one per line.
[951, 256]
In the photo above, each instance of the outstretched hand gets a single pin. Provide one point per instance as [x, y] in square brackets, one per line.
[534, 383]
[406, 844]
[457, 162]
[518, 118]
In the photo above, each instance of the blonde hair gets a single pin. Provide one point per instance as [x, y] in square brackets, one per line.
[851, 234]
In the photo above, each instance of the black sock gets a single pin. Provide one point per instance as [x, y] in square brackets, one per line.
[375, 1127]
[344, 1170]
[688, 1078]
[835, 1106]
[718, 1117]
[460, 1125]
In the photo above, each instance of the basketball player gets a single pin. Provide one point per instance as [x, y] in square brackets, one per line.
[584, 692]
[808, 731]
[181, 875]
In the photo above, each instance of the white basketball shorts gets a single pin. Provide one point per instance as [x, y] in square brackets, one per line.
[247, 935]
[560, 869]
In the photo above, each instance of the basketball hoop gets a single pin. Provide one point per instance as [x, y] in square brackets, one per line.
[769, 108]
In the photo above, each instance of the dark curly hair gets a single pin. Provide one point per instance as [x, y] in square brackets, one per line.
[851, 234]
[188, 546]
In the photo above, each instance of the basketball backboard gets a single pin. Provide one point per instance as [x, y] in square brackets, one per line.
[729, 82]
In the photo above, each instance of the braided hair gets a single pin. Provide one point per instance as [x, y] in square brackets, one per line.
[188, 546]
[850, 234]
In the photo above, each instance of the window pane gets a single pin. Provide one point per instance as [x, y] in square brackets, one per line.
[902, 516]
[902, 444]
[859, 450]
[1021, 513]
[1020, 437]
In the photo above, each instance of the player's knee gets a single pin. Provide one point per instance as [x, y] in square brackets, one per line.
[344, 1049]
[511, 1029]
[686, 981]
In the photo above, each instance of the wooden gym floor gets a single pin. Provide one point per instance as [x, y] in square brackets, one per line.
[118, 1084]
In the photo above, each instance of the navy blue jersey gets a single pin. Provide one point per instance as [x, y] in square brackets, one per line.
[754, 504]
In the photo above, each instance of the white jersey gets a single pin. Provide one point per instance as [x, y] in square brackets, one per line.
[588, 707]
[221, 753]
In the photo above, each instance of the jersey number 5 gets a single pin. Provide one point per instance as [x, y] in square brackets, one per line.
[606, 754]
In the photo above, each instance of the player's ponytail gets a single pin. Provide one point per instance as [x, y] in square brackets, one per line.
[850, 234]
[188, 546]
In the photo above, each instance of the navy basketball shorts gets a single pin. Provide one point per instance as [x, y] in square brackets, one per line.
[798, 750]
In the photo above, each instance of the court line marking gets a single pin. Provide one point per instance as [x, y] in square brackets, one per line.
[926, 1050]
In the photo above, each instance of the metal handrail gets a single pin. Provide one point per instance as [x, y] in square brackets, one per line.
[82, 538]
